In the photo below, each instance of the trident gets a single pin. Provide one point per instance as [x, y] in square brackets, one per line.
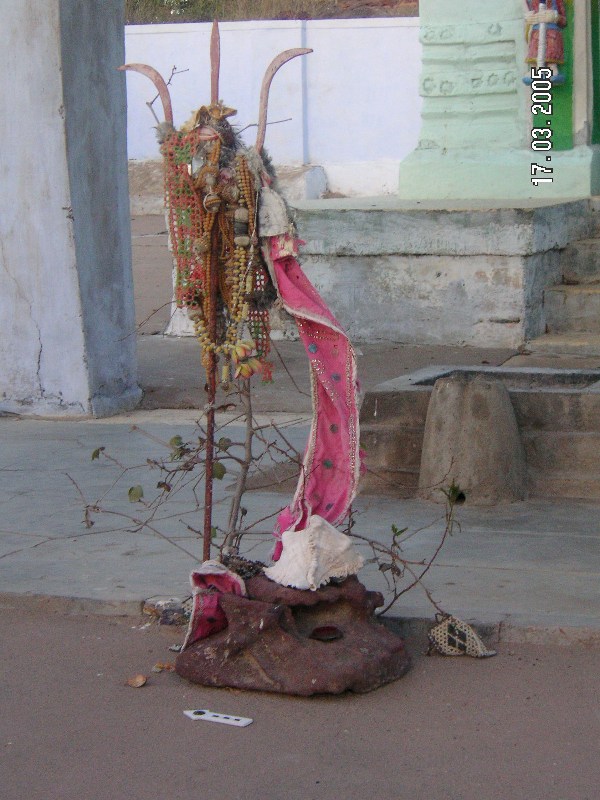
[215, 64]
[211, 367]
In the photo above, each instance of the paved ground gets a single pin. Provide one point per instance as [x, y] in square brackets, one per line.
[529, 569]
[523, 564]
[522, 726]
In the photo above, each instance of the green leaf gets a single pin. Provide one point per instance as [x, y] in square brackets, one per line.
[398, 531]
[213, 532]
[218, 471]
[454, 493]
[96, 453]
[135, 493]
[224, 443]
[176, 442]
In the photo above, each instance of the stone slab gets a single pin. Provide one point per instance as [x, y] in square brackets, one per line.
[393, 268]
[573, 309]
[413, 298]
[474, 226]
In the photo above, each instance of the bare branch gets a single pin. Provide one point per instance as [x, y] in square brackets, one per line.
[240, 488]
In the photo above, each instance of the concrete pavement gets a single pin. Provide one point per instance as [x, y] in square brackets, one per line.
[527, 569]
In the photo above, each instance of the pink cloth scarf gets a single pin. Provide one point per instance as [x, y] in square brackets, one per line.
[332, 461]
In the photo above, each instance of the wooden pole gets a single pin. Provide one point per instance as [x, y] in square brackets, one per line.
[211, 322]
[210, 455]
[211, 380]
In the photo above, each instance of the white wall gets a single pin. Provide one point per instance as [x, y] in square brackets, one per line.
[354, 101]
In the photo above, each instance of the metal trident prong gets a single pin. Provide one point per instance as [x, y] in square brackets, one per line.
[161, 87]
[215, 62]
[277, 62]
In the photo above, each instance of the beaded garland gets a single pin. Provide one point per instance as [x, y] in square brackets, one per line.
[211, 196]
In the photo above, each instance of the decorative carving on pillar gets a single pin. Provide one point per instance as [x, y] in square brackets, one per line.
[470, 72]
[475, 82]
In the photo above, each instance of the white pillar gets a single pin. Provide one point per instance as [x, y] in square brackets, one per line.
[66, 292]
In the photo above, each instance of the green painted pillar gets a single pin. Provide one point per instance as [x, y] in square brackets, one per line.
[476, 139]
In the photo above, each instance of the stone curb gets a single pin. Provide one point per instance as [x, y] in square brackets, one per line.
[70, 605]
[414, 628]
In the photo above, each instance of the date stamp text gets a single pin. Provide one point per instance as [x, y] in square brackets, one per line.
[541, 131]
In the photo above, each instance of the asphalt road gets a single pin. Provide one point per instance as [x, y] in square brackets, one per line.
[522, 726]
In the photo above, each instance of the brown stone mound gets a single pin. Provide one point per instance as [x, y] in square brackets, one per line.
[298, 642]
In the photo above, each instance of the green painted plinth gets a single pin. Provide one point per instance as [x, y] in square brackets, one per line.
[476, 131]
[501, 174]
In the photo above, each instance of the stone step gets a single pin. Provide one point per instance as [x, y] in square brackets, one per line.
[386, 406]
[395, 482]
[578, 345]
[392, 446]
[559, 412]
[572, 309]
[562, 452]
[393, 457]
[576, 485]
[580, 261]
[550, 455]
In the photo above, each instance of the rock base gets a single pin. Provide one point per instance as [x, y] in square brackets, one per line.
[298, 642]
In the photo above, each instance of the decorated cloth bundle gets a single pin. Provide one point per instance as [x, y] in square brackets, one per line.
[228, 223]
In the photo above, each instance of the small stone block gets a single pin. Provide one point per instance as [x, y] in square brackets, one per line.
[167, 610]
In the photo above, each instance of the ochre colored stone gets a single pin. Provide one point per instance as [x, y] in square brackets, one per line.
[266, 645]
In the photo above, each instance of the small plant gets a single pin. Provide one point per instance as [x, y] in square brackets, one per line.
[264, 450]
